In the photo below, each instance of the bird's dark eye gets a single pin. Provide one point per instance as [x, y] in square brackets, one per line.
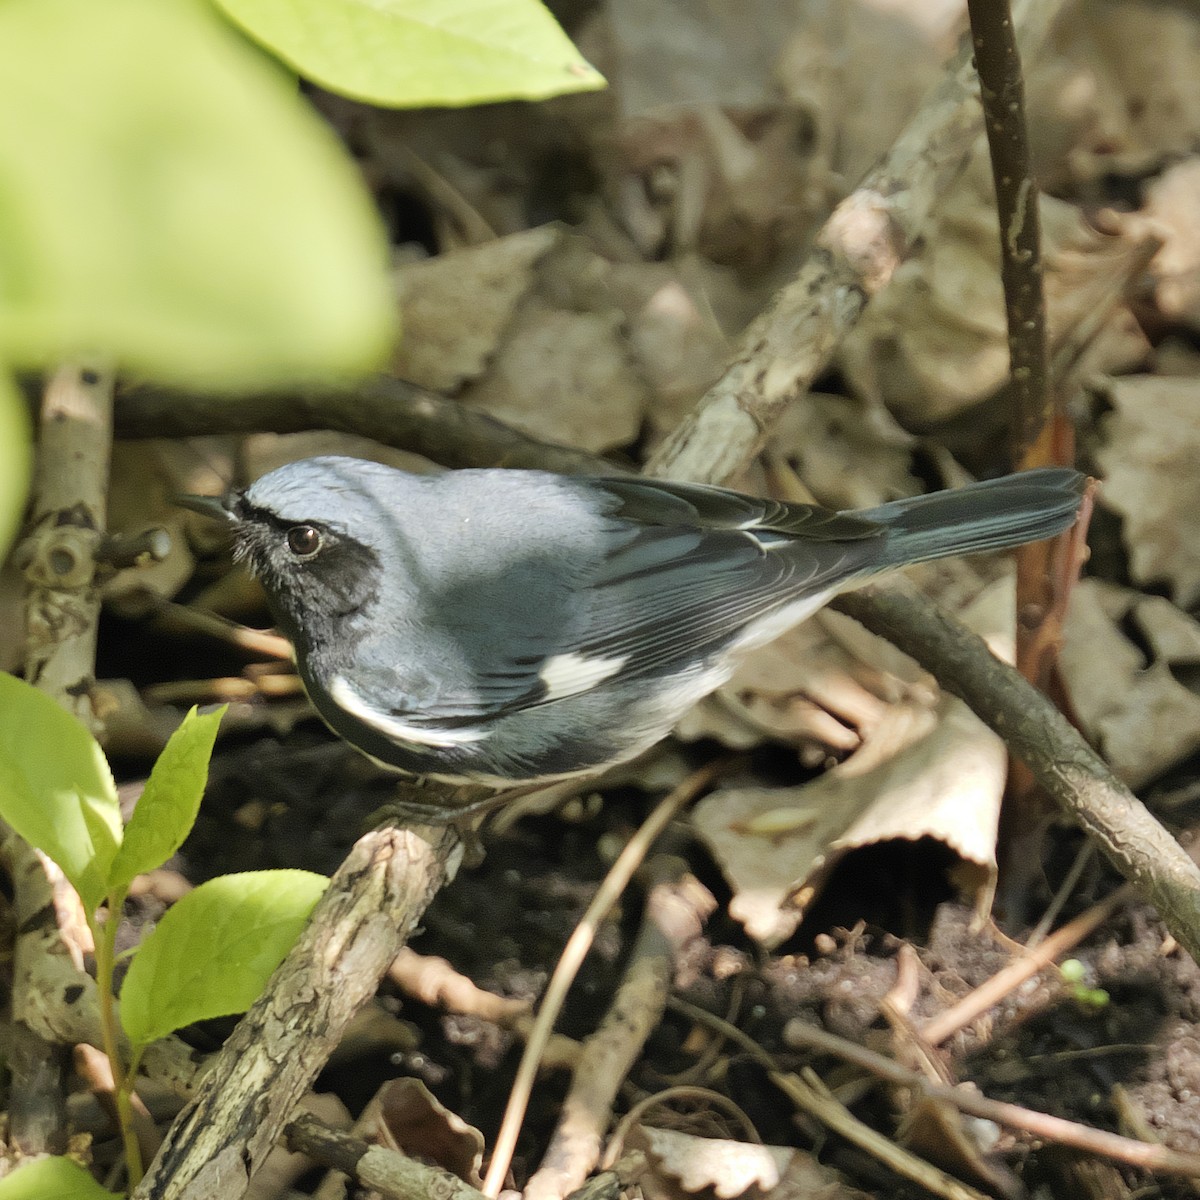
[303, 540]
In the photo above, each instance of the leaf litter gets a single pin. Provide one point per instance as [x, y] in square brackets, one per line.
[581, 270]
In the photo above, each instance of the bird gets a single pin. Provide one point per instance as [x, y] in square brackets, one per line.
[515, 627]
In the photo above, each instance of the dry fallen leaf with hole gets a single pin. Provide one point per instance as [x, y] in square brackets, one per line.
[455, 307]
[923, 770]
[1137, 713]
[1151, 447]
[681, 1164]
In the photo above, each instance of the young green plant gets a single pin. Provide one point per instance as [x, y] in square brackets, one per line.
[213, 952]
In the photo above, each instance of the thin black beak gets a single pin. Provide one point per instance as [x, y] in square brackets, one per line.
[208, 506]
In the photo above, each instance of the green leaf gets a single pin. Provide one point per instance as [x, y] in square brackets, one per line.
[406, 53]
[213, 952]
[169, 200]
[167, 808]
[52, 1179]
[15, 459]
[56, 789]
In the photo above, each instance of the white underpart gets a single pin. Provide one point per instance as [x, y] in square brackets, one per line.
[345, 697]
[767, 629]
[569, 674]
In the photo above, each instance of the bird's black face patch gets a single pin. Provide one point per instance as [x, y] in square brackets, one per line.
[316, 578]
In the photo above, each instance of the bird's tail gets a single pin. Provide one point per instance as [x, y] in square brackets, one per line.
[990, 515]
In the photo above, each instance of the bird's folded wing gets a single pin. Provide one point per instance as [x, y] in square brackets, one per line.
[672, 588]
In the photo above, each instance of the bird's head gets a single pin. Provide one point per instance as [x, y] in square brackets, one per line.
[312, 535]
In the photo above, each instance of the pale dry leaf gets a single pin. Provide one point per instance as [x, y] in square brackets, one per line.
[564, 377]
[933, 343]
[962, 1145]
[740, 127]
[706, 154]
[1117, 93]
[1151, 444]
[673, 334]
[923, 770]
[850, 451]
[1171, 634]
[1173, 202]
[861, 69]
[677, 53]
[1140, 717]
[681, 1163]
[456, 306]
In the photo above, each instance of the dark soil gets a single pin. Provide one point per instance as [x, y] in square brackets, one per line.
[1130, 1054]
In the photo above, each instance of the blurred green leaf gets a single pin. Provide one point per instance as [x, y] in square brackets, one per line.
[406, 53]
[56, 789]
[166, 810]
[15, 460]
[167, 199]
[213, 952]
[52, 1179]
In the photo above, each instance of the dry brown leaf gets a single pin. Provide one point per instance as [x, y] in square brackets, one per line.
[673, 331]
[405, 1115]
[933, 343]
[850, 452]
[938, 1131]
[1151, 447]
[924, 770]
[1118, 92]
[861, 69]
[739, 127]
[1173, 202]
[683, 1164]
[1140, 717]
[564, 377]
[455, 307]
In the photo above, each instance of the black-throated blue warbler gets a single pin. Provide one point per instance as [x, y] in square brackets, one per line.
[502, 627]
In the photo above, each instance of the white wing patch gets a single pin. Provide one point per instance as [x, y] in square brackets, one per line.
[345, 697]
[569, 674]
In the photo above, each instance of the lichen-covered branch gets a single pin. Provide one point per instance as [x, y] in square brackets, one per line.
[250, 1092]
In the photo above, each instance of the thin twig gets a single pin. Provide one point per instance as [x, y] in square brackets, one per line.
[62, 612]
[676, 908]
[1087, 851]
[576, 949]
[1008, 979]
[1148, 1155]
[383, 1172]
[1002, 87]
[391, 411]
[1037, 733]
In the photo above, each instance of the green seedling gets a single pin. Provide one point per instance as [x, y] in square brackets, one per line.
[212, 953]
